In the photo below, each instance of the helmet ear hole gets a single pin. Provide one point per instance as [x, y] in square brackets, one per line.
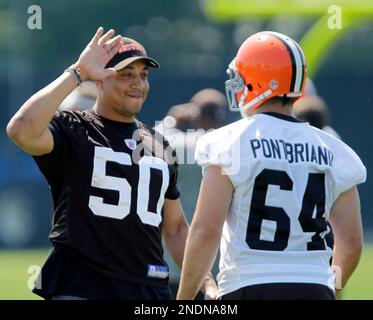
[250, 87]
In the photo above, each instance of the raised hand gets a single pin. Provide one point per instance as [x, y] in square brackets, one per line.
[97, 54]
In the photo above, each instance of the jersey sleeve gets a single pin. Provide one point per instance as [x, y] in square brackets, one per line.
[206, 153]
[349, 170]
[215, 149]
[172, 192]
[65, 130]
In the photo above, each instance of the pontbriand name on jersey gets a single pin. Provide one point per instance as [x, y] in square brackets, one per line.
[292, 152]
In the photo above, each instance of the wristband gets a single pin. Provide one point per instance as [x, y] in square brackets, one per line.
[76, 73]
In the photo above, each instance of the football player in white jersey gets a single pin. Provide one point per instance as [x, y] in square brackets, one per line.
[270, 184]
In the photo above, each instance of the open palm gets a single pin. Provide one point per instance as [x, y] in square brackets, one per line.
[97, 54]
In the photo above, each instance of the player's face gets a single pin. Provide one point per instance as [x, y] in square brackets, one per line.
[128, 89]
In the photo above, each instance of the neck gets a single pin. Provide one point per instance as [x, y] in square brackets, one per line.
[277, 108]
[110, 113]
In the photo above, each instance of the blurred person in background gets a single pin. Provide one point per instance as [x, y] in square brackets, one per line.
[211, 107]
[82, 98]
[185, 123]
[179, 117]
[313, 109]
[177, 128]
[206, 110]
[114, 184]
[270, 184]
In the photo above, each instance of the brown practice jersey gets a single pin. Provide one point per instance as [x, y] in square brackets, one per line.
[109, 181]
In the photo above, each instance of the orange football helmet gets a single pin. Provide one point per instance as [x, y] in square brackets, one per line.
[268, 64]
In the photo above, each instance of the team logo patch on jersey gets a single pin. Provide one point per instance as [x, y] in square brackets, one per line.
[155, 271]
[130, 143]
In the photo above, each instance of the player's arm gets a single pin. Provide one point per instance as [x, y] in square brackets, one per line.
[175, 232]
[175, 229]
[29, 126]
[204, 236]
[345, 220]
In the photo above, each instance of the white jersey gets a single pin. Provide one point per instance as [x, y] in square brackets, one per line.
[286, 177]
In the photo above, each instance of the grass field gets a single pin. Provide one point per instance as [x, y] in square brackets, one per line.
[14, 276]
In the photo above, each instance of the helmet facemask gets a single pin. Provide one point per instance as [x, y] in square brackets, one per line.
[233, 85]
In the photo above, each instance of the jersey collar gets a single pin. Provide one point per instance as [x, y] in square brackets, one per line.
[282, 116]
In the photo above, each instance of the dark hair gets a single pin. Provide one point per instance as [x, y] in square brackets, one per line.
[284, 100]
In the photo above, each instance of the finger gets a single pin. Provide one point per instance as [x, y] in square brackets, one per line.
[114, 50]
[98, 34]
[112, 42]
[106, 37]
[113, 47]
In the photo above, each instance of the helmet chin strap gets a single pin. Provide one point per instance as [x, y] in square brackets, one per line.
[248, 105]
[243, 113]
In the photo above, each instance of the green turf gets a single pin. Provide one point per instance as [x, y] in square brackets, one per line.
[360, 285]
[13, 273]
[14, 276]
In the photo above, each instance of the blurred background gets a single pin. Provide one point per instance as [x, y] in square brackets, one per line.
[194, 41]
